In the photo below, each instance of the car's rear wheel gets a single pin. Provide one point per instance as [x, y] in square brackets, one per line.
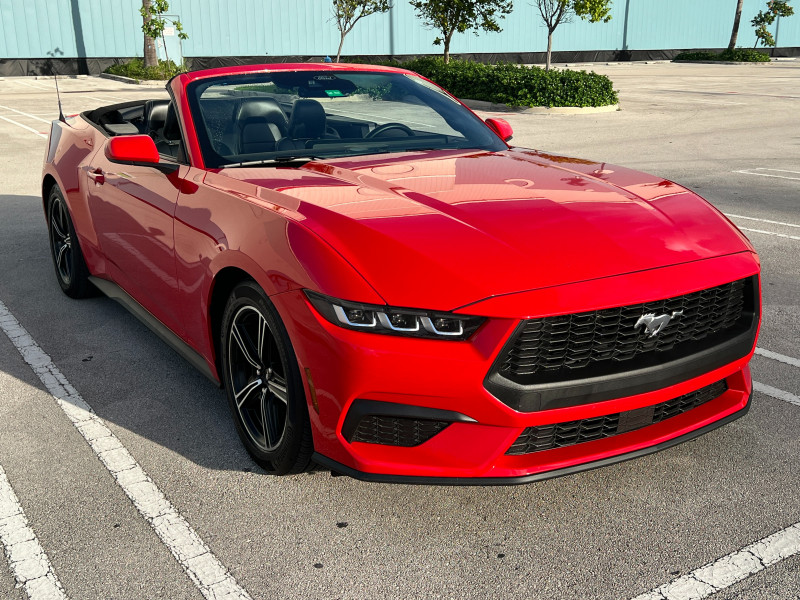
[71, 270]
[263, 384]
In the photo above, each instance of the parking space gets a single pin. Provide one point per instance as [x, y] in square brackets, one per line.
[223, 528]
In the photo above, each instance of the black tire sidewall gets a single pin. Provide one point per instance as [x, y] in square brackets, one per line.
[287, 456]
[79, 280]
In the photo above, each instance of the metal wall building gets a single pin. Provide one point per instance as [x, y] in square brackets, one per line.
[97, 31]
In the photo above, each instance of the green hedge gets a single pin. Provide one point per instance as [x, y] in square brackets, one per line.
[516, 85]
[736, 55]
[135, 69]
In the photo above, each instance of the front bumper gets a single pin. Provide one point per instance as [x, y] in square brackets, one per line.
[576, 468]
[345, 369]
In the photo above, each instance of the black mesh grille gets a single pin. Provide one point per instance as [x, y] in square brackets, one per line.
[609, 341]
[558, 435]
[396, 431]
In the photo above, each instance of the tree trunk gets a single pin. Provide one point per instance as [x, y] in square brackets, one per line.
[447, 39]
[735, 31]
[150, 56]
[549, 49]
[341, 43]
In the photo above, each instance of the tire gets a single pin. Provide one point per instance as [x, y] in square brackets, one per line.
[262, 382]
[70, 266]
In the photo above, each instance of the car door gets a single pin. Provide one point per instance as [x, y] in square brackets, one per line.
[133, 207]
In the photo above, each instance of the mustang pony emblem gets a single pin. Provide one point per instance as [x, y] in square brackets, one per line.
[654, 324]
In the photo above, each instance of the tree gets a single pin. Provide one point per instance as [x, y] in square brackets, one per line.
[450, 16]
[150, 56]
[775, 9]
[349, 12]
[153, 24]
[555, 12]
[736, 19]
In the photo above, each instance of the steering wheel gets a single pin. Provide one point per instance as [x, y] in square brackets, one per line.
[381, 129]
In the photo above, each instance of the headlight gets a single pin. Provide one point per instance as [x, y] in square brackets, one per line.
[377, 318]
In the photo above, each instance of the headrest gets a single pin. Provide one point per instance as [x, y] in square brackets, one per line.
[172, 130]
[307, 120]
[155, 114]
[262, 108]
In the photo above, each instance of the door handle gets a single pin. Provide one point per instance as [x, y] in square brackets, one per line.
[97, 176]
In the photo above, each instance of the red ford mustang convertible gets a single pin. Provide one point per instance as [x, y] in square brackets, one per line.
[384, 286]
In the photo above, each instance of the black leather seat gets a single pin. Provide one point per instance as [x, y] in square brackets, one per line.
[155, 115]
[169, 141]
[260, 123]
[308, 121]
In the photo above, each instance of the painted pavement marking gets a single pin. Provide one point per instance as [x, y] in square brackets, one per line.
[732, 568]
[24, 114]
[779, 357]
[752, 172]
[763, 220]
[31, 129]
[204, 569]
[776, 393]
[781, 235]
[26, 557]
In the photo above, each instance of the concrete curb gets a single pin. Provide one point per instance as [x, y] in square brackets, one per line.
[37, 77]
[539, 110]
[121, 79]
[721, 62]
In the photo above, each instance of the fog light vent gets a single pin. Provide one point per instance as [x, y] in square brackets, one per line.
[396, 431]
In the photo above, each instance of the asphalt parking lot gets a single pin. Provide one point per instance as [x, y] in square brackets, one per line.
[731, 133]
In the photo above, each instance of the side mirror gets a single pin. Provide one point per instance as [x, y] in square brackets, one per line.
[501, 128]
[139, 150]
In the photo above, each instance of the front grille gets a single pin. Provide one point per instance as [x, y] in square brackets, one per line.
[608, 341]
[396, 431]
[558, 435]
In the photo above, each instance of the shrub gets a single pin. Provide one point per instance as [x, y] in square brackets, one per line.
[736, 55]
[516, 85]
[744, 55]
[135, 69]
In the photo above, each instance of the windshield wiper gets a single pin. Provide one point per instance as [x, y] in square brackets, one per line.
[276, 160]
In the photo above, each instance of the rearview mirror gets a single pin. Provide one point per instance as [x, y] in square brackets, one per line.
[501, 128]
[137, 150]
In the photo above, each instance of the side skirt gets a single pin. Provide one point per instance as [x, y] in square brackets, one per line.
[113, 291]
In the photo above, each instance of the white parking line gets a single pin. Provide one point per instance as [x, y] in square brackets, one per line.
[24, 114]
[782, 235]
[779, 357]
[204, 569]
[776, 393]
[732, 568]
[31, 85]
[31, 129]
[751, 172]
[26, 557]
[763, 220]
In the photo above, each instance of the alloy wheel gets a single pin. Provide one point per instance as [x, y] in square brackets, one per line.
[257, 374]
[61, 240]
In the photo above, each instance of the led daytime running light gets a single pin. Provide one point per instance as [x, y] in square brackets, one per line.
[389, 320]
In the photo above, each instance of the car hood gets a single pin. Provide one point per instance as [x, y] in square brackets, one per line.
[444, 229]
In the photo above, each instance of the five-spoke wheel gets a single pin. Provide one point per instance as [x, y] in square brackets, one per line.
[263, 383]
[71, 271]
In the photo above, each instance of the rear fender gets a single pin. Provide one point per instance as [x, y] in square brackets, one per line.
[71, 148]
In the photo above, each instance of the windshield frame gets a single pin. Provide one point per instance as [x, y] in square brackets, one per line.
[437, 99]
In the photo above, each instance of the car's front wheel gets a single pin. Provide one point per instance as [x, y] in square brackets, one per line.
[71, 270]
[263, 384]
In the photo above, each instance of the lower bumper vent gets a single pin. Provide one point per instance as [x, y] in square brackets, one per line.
[559, 435]
[396, 431]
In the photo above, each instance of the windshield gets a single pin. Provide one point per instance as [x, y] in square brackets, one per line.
[323, 114]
